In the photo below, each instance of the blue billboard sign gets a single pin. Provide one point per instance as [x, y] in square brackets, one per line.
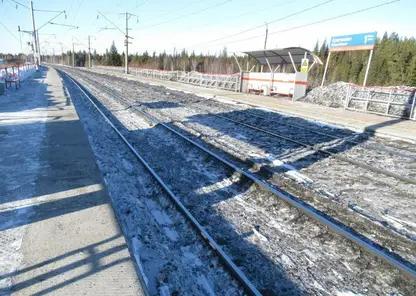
[353, 42]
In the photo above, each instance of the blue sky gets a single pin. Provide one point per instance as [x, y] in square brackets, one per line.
[157, 30]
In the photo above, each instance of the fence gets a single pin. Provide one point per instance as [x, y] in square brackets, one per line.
[16, 73]
[227, 82]
[394, 102]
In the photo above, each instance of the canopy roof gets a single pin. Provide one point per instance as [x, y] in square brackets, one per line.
[281, 56]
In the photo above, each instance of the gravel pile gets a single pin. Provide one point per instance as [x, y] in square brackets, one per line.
[332, 95]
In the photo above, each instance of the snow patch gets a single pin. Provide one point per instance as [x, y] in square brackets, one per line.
[171, 234]
[164, 291]
[203, 283]
[346, 293]
[290, 171]
[161, 217]
[189, 258]
[259, 235]
[136, 252]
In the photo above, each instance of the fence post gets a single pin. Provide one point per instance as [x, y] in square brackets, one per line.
[347, 98]
[388, 104]
[412, 110]
[368, 100]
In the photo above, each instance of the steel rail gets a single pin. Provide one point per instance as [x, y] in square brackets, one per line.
[333, 136]
[313, 148]
[235, 271]
[306, 209]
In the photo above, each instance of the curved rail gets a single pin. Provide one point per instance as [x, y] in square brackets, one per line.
[306, 209]
[313, 148]
[236, 272]
[333, 136]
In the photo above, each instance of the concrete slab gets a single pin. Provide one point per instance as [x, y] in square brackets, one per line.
[58, 232]
[379, 125]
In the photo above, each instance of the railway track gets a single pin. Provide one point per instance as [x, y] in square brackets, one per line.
[397, 264]
[225, 259]
[354, 162]
[315, 148]
[347, 139]
[378, 218]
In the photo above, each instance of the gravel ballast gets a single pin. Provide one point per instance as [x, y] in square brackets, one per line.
[267, 238]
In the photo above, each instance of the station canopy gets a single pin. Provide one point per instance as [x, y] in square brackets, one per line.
[282, 56]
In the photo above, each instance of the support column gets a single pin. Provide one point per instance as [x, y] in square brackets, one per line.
[35, 37]
[127, 45]
[368, 67]
[89, 51]
[73, 55]
[326, 69]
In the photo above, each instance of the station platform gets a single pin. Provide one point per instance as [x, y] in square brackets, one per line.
[376, 124]
[58, 232]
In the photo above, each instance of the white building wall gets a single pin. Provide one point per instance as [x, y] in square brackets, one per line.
[289, 84]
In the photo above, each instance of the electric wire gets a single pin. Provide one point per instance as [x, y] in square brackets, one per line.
[251, 12]
[187, 15]
[308, 24]
[271, 22]
[178, 9]
[18, 3]
[14, 36]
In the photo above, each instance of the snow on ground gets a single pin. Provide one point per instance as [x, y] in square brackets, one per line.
[271, 240]
[22, 128]
[333, 179]
[171, 256]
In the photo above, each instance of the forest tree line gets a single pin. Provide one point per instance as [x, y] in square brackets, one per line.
[393, 62]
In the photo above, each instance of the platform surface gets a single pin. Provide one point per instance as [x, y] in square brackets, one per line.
[58, 231]
[377, 124]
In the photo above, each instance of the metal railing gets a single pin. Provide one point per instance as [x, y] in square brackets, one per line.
[393, 102]
[227, 82]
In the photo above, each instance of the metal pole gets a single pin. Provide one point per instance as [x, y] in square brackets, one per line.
[127, 44]
[89, 51]
[293, 63]
[326, 69]
[37, 57]
[412, 110]
[368, 68]
[20, 37]
[73, 55]
[37, 38]
[267, 33]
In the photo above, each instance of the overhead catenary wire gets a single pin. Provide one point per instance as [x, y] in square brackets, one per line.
[141, 4]
[80, 43]
[187, 15]
[76, 13]
[45, 10]
[251, 12]
[18, 3]
[14, 36]
[70, 9]
[308, 24]
[270, 22]
[178, 9]
[115, 26]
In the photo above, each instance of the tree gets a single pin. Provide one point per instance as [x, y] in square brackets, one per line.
[114, 58]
